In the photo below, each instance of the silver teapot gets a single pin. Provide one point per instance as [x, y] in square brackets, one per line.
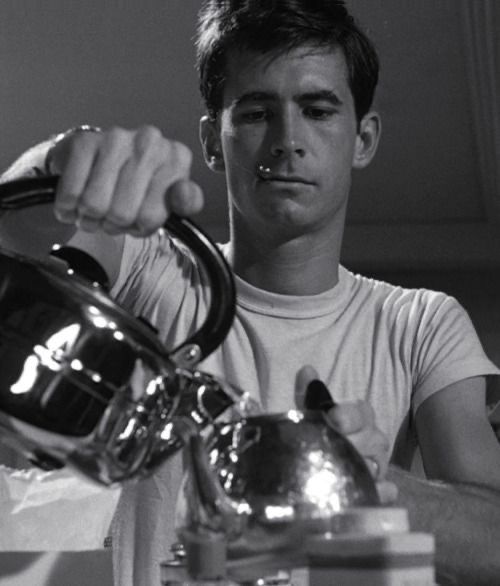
[263, 483]
[85, 384]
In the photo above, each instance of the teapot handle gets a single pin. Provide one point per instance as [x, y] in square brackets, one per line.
[22, 193]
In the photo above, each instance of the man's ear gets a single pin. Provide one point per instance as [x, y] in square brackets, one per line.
[367, 140]
[211, 144]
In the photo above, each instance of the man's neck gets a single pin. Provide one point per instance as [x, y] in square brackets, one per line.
[306, 264]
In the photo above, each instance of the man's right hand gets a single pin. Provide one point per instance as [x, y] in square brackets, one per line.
[122, 181]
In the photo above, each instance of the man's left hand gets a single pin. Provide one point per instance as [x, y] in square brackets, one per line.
[356, 421]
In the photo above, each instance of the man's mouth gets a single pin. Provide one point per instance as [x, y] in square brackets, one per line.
[271, 177]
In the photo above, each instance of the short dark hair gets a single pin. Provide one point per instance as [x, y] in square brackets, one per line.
[268, 26]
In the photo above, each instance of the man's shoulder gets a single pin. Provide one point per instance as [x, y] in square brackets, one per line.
[390, 295]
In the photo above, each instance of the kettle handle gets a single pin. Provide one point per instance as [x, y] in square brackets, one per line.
[22, 193]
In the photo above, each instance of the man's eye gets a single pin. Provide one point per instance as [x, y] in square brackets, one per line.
[254, 115]
[318, 113]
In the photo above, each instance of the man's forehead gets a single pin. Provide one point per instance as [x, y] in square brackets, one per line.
[244, 67]
[238, 57]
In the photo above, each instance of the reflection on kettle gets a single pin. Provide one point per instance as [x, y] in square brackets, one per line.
[46, 355]
[84, 383]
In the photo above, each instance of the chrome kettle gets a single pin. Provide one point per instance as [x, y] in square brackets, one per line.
[85, 384]
[265, 482]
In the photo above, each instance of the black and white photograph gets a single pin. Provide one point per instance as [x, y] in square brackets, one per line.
[250, 293]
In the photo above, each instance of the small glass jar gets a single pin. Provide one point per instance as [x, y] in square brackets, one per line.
[174, 571]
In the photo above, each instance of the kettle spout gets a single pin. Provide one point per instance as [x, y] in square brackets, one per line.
[203, 504]
[214, 509]
[195, 400]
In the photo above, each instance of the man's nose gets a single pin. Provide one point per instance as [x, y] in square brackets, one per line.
[287, 136]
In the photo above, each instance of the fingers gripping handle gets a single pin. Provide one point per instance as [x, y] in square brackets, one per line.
[22, 193]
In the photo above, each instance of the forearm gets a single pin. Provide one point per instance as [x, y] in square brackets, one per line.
[29, 164]
[465, 521]
[34, 230]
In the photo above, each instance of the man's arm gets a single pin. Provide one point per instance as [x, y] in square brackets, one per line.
[465, 520]
[30, 164]
[455, 437]
[461, 507]
[112, 183]
[33, 231]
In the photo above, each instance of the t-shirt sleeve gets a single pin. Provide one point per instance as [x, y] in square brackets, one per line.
[145, 262]
[134, 259]
[159, 280]
[447, 348]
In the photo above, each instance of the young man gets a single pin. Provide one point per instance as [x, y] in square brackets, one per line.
[288, 87]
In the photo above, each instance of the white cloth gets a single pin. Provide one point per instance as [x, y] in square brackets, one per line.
[53, 511]
[369, 340]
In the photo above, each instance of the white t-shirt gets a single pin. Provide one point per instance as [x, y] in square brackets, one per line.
[367, 339]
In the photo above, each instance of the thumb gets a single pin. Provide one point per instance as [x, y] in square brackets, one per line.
[184, 197]
[302, 379]
[387, 492]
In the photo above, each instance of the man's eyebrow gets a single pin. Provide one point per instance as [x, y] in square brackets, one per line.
[256, 96]
[310, 96]
[313, 96]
